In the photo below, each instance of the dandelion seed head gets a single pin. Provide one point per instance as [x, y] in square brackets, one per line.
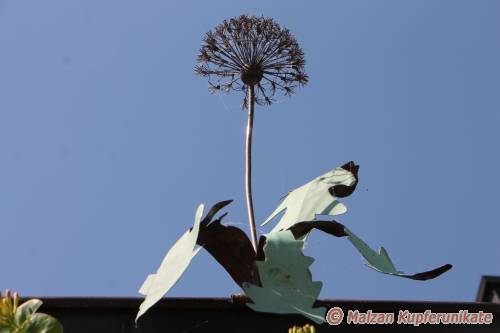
[252, 51]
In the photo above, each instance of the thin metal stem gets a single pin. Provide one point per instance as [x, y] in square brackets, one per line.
[248, 166]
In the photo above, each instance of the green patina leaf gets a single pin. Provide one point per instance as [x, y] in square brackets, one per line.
[313, 198]
[174, 264]
[381, 262]
[287, 285]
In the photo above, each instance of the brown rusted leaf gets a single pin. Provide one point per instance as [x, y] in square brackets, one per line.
[330, 227]
[230, 247]
[429, 274]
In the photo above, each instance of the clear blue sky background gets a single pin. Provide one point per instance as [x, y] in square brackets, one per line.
[109, 141]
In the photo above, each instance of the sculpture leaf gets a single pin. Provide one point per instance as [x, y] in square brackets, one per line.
[287, 285]
[317, 197]
[172, 267]
[231, 248]
[382, 263]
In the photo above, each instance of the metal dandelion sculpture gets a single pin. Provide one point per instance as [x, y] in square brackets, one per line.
[258, 57]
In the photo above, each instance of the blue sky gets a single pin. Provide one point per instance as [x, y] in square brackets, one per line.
[109, 141]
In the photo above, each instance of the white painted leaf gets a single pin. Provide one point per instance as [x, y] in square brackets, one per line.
[378, 261]
[287, 285]
[311, 199]
[172, 267]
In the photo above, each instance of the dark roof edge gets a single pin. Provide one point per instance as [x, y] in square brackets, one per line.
[230, 304]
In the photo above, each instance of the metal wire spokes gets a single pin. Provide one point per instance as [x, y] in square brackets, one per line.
[249, 50]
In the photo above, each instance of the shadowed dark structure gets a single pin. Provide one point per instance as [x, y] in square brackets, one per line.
[204, 315]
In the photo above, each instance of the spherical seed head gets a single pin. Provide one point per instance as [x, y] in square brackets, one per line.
[251, 75]
[252, 51]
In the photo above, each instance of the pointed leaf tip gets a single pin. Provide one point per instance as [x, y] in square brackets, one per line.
[382, 263]
[175, 262]
[316, 197]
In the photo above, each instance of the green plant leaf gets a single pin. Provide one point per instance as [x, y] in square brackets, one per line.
[316, 197]
[25, 311]
[287, 285]
[42, 323]
[174, 264]
[381, 262]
